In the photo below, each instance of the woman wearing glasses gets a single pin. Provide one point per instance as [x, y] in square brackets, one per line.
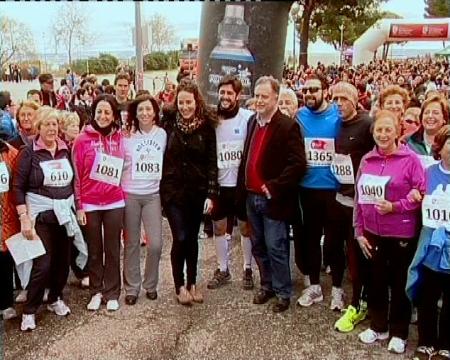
[410, 123]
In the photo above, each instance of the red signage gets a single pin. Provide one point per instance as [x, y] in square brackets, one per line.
[419, 31]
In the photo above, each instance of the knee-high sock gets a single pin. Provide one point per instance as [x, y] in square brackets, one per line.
[221, 251]
[246, 245]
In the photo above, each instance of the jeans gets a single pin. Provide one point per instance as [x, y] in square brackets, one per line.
[184, 220]
[270, 247]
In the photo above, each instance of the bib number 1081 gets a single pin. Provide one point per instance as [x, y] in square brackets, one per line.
[106, 170]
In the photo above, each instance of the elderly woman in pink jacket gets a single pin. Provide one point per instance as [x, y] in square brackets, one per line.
[386, 227]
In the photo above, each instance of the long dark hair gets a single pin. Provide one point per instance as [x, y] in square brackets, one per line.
[111, 100]
[132, 111]
[202, 111]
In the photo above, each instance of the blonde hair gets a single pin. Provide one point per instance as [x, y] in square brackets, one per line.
[29, 104]
[387, 113]
[67, 118]
[44, 113]
[414, 112]
[289, 93]
[394, 90]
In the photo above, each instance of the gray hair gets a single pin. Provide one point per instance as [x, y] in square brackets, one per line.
[290, 93]
[274, 83]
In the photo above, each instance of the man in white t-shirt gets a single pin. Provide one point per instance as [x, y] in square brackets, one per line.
[230, 134]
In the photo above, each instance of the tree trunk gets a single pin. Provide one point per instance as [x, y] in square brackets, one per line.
[304, 36]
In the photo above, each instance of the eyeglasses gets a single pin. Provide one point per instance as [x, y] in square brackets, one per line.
[312, 90]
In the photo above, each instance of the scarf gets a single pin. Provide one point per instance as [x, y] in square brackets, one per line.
[103, 131]
[228, 113]
[188, 126]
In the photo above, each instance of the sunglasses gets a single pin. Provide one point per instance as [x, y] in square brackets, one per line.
[410, 122]
[312, 90]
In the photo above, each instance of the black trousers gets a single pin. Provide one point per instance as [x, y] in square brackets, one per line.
[390, 260]
[6, 280]
[358, 265]
[431, 331]
[51, 269]
[103, 229]
[184, 220]
[319, 217]
[77, 271]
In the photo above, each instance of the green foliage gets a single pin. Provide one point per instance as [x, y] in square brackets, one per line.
[103, 64]
[437, 8]
[161, 61]
[326, 16]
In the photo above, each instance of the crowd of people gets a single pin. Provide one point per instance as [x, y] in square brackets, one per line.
[356, 159]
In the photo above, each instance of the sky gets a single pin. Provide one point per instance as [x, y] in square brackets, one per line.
[112, 22]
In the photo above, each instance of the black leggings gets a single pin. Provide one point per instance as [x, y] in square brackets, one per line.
[6, 280]
[184, 220]
[433, 285]
[50, 269]
[103, 229]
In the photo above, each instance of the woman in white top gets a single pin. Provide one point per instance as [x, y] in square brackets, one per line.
[144, 150]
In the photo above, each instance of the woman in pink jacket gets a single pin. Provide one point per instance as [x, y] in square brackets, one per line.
[98, 161]
[386, 227]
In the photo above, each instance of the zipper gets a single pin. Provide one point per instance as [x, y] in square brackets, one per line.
[383, 165]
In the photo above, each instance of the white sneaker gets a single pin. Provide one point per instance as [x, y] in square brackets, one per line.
[9, 313]
[306, 281]
[369, 336]
[22, 297]
[45, 297]
[112, 305]
[337, 299]
[95, 302]
[85, 282]
[228, 237]
[397, 345]
[311, 295]
[28, 322]
[59, 307]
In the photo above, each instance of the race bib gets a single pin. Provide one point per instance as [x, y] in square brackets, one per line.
[146, 166]
[436, 211]
[4, 178]
[107, 169]
[427, 160]
[372, 188]
[57, 173]
[319, 151]
[342, 169]
[229, 154]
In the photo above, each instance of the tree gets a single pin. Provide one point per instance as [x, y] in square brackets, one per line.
[437, 8]
[16, 40]
[322, 18]
[70, 27]
[162, 33]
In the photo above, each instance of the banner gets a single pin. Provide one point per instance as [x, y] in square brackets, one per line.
[419, 31]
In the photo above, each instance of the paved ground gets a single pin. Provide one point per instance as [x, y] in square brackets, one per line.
[226, 326]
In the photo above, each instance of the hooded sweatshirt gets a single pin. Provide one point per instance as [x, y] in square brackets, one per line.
[85, 148]
[404, 172]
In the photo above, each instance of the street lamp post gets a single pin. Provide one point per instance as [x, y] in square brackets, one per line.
[139, 81]
[341, 27]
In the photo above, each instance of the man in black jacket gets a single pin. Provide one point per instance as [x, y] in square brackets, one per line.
[273, 162]
[48, 95]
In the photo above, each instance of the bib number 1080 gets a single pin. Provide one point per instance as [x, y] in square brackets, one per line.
[230, 155]
[106, 170]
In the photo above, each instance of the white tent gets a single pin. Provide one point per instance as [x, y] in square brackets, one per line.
[395, 30]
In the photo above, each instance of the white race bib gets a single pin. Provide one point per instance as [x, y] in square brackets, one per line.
[4, 178]
[427, 160]
[57, 173]
[146, 166]
[372, 188]
[342, 169]
[436, 211]
[107, 169]
[229, 154]
[319, 151]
